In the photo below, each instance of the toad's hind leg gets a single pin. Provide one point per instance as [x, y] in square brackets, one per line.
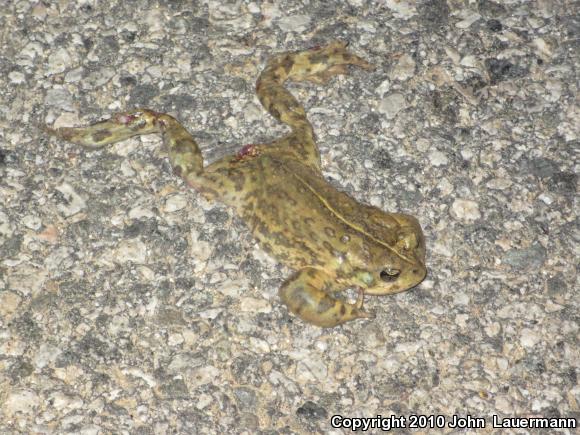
[183, 151]
[315, 65]
[308, 294]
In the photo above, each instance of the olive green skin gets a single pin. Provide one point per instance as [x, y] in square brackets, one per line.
[331, 241]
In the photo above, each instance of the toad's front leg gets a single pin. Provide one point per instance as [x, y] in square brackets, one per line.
[308, 295]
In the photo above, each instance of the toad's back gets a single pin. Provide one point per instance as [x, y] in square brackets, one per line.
[302, 220]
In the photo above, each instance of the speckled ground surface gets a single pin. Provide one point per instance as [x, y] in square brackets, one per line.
[128, 304]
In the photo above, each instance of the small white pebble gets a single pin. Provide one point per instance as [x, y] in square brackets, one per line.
[529, 338]
[437, 158]
[16, 77]
[465, 210]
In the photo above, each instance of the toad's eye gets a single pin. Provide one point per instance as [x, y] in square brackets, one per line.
[390, 275]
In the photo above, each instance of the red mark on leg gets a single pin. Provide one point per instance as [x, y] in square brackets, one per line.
[248, 151]
[126, 119]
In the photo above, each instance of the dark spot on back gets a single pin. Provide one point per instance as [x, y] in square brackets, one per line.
[328, 247]
[286, 64]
